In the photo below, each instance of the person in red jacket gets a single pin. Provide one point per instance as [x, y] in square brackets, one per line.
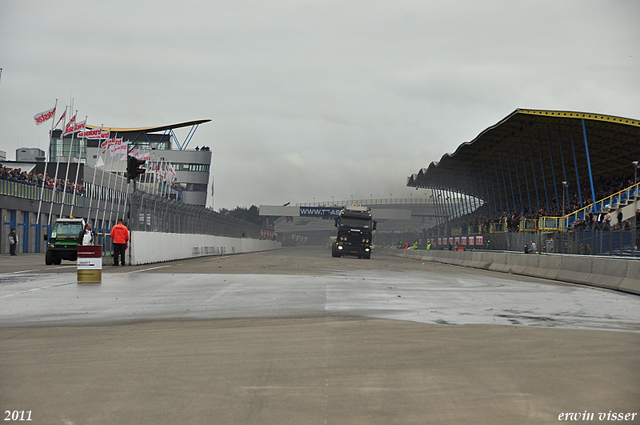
[120, 238]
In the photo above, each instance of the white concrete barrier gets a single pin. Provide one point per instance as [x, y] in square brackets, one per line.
[603, 272]
[152, 247]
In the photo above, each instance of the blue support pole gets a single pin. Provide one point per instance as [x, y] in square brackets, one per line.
[455, 204]
[586, 148]
[472, 202]
[441, 209]
[553, 174]
[504, 181]
[526, 178]
[535, 181]
[564, 171]
[486, 185]
[493, 189]
[544, 179]
[515, 161]
[482, 192]
[443, 205]
[435, 204]
[449, 204]
[575, 164]
[513, 194]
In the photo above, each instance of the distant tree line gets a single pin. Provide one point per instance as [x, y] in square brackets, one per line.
[251, 214]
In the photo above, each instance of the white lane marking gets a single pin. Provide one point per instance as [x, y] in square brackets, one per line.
[36, 289]
[37, 270]
[146, 270]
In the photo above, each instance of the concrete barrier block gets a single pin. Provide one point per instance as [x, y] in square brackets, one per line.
[526, 264]
[607, 272]
[631, 282]
[499, 262]
[549, 266]
[575, 269]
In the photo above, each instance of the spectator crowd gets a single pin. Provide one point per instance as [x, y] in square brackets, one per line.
[483, 217]
[37, 179]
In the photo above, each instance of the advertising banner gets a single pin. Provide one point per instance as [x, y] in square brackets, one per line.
[89, 264]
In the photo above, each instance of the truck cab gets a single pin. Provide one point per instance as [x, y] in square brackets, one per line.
[62, 244]
[355, 232]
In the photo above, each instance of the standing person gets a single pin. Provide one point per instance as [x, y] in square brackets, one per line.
[120, 238]
[607, 220]
[619, 217]
[533, 247]
[87, 236]
[13, 241]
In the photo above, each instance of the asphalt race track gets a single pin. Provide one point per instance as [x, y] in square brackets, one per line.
[297, 337]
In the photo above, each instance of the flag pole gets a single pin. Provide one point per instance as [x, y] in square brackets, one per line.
[75, 183]
[101, 188]
[122, 182]
[55, 177]
[93, 182]
[104, 213]
[44, 172]
[66, 174]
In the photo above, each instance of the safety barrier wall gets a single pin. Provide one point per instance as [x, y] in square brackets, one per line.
[154, 247]
[603, 272]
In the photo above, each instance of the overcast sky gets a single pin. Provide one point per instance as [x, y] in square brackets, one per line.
[314, 99]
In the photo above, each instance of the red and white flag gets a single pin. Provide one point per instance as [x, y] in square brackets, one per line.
[44, 116]
[96, 133]
[64, 114]
[74, 127]
[68, 129]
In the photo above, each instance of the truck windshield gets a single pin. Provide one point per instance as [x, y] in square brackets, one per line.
[66, 229]
[355, 222]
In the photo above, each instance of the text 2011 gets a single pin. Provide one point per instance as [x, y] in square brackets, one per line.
[17, 415]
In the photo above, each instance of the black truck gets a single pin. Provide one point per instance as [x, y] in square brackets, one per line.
[355, 232]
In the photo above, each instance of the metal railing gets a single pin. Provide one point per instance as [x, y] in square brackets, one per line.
[32, 192]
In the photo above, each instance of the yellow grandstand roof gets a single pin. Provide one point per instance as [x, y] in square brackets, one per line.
[150, 129]
[538, 148]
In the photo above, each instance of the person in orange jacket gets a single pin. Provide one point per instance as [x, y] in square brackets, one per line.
[120, 238]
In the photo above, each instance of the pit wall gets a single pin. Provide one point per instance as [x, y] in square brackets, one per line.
[603, 272]
[152, 247]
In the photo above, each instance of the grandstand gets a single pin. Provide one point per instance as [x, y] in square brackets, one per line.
[552, 175]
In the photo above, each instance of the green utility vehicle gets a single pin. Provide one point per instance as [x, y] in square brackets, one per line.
[63, 242]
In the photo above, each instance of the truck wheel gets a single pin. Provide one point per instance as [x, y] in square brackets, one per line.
[48, 258]
[57, 261]
[367, 256]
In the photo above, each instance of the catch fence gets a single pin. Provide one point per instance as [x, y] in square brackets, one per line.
[153, 213]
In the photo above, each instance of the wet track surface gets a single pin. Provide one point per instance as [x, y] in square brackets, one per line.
[297, 337]
[423, 293]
